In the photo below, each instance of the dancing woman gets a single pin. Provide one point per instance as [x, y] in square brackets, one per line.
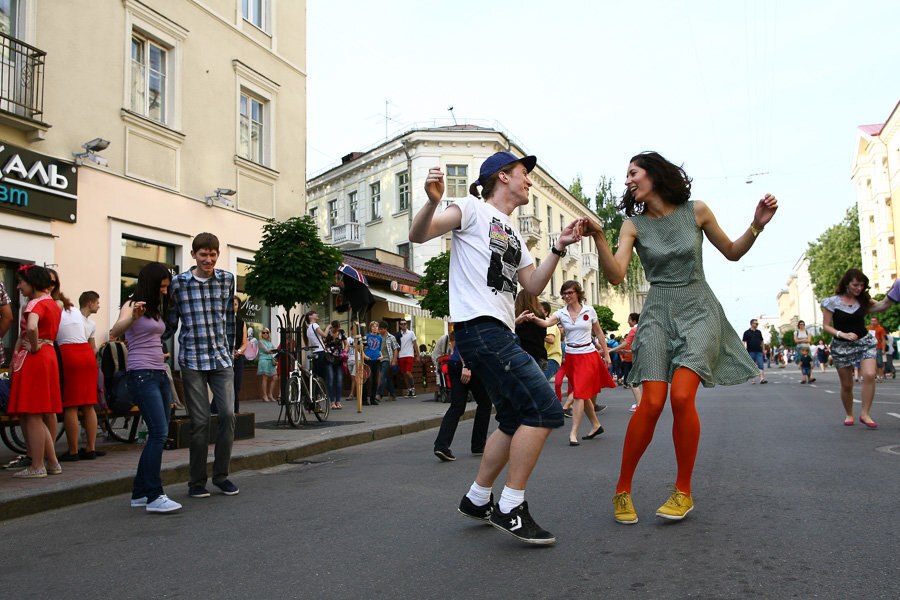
[683, 337]
[844, 317]
[586, 372]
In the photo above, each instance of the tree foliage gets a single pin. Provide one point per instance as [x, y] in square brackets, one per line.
[773, 336]
[292, 264]
[435, 281]
[890, 319]
[605, 319]
[833, 253]
[787, 339]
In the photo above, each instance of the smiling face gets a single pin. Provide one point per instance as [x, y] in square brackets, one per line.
[638, 182]
[518, 183]
[206, 261]
[855, 287]
[570, 296]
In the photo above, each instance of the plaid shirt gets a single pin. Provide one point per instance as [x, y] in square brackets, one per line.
[206, 310]
[4, 300]
[389, 346]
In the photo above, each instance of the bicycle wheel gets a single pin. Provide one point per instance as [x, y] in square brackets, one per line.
[121, 428]
[319, 404]
[292, 407]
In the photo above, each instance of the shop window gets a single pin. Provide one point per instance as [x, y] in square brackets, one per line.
[253, 311]
[136, 253]
[8, 277]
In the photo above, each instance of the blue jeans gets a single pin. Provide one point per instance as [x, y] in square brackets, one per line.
[520, 392]
[153, 396]
[387, 381]
[552, 368]
[335, 381]
[196, 400]
[758, 359]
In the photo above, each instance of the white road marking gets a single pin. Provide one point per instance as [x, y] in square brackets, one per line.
[895, 415]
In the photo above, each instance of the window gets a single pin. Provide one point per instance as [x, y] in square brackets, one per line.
[593, 299]
[534, 205]
[562, 222]
[549, 215]
[252, 128]
[254, 11]
[403, 250]
[332, 215]
[254, 312]
[375, 203]
[148, 78]
[352, 206]
[457, 181]
[402, 192]
[314, 213]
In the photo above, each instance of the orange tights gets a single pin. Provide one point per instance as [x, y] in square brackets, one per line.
[685, 430]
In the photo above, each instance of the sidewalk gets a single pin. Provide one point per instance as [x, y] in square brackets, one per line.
[83, 481]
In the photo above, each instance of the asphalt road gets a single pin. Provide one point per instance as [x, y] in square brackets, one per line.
[789, 504]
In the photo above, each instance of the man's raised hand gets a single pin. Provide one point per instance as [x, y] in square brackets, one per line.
[434, 185]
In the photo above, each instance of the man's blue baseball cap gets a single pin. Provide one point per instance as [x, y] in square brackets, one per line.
[497, 161]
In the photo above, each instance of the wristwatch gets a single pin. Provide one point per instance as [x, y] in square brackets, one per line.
[559, 253]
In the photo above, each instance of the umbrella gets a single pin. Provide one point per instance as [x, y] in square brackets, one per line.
[352, 273]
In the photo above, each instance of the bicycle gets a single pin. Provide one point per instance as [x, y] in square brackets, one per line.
[306, 394]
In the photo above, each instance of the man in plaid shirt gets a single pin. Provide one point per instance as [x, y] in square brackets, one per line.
[202, 299]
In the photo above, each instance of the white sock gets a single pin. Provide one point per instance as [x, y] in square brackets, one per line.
[479, 495]
[510, 499]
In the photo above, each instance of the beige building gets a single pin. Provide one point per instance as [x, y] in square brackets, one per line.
[370, 199]
[871, 172]
[130, 126]
[797, 302]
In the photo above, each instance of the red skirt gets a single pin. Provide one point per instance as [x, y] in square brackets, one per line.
[587, 374]
[35, 387]
[79, 367]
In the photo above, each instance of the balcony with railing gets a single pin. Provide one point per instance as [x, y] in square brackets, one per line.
[573, 252]
[530, 228]
[346, 235]
[590, 261]
[22, 86]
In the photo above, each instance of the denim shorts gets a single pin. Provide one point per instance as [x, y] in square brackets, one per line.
[757, 358]
[518, 388]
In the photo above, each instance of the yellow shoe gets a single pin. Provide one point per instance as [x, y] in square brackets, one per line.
[676, 507]
[624, 509]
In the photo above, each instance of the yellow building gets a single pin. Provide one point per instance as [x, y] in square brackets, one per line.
[369, 200]
[127, 127]
[871, 171]
[890, 137]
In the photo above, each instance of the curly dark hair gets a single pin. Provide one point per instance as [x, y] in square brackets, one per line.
[669, 180]
[844, 284]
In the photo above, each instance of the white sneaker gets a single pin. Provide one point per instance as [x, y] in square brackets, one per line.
[138, 502]
[163, 505]
[633, 408]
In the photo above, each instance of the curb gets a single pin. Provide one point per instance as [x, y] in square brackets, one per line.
[121, 484]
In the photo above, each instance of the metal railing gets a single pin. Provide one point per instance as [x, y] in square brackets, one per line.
[21, 78]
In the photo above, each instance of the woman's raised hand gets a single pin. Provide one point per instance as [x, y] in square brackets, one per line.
[765, 210]
[138, 309]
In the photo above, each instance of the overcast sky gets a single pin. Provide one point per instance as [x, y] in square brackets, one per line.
[729, 89]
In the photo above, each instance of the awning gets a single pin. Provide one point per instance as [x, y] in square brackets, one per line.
[401, 304]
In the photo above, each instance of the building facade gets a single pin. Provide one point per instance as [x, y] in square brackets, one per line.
[182, 117]
[871, 172]
[797, 301]
[370, 199]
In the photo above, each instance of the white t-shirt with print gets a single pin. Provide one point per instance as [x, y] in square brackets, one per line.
[487, 253]
[578, 332]
[407, 345]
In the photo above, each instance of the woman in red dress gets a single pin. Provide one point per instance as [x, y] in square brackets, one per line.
[35, 371]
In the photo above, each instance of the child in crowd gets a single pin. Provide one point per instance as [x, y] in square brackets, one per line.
[806, 367]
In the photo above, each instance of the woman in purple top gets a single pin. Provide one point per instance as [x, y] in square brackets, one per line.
[143, 321]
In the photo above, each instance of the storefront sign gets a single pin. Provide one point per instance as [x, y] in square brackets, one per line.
[396, 286]
[37, 185]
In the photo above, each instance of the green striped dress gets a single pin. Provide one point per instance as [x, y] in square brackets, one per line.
[682, 323]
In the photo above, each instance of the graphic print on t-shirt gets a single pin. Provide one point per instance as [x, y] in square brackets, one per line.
[506, 253]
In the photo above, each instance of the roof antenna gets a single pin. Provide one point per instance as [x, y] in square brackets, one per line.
[450, 108]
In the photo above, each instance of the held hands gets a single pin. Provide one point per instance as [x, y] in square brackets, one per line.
[434, 185]
[572, 233]
[765, 210]
[589, 228]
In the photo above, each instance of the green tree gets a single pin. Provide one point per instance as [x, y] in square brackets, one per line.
[435, 282]
[612, 219]
[787, 339]
[833, 253]
[292, 264]
[577, 190]
[890, 319]
[605, 319]
[773, 336]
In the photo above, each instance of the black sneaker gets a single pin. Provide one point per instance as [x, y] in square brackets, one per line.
[473, 511]
[198, 491]
[519, 524]
[67, 457]
[228, 488]
[567, 412]
[444, 454]
[599, 408]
